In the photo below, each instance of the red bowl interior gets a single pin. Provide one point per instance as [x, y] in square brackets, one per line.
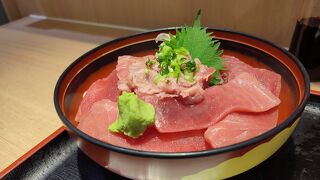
[99, 62]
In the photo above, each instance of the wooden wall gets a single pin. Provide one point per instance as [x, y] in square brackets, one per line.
[270, 19]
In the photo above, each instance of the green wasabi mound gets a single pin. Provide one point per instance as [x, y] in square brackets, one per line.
[135, 116]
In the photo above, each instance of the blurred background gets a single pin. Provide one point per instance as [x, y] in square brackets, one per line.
[270, 19]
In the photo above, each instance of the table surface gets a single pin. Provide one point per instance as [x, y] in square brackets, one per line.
[33, 53]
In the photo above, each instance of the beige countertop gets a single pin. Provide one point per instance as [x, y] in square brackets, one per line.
[33, 54]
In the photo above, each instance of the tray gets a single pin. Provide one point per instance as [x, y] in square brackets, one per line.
[298, 158]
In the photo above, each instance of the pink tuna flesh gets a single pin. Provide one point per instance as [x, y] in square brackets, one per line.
[238, 119]
[135, 76]
[268, 78]
[104, 112]
[238, 127]
[242, 94]
[100, 89]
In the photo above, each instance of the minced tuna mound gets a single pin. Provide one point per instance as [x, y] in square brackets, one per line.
[135, 77]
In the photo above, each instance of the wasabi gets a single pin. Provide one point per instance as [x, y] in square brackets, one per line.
[135, 116]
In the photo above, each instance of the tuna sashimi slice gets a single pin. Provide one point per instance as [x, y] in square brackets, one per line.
[241, 94]
[238, 127]
[100, 89]
[268, 78]
[104, 112]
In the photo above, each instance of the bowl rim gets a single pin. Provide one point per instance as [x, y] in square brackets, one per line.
[180, 155]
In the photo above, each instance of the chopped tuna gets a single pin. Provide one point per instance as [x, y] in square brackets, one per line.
[135, 76]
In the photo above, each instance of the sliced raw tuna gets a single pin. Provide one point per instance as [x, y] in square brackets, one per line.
[99, 109]
[268, 78]
[238, 127]
[100, 89]
[244, 93]
[104, 112]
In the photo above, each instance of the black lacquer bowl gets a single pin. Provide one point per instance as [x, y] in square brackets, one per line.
[210, 164]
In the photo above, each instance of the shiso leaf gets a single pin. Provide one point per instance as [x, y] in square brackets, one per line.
[201, 45]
